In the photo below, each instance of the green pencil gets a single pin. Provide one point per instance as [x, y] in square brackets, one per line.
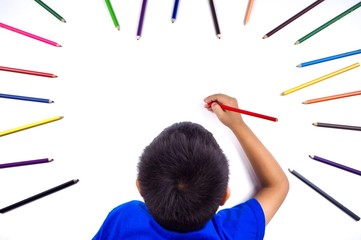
[328, 23]
[51, 11]
[112, 14]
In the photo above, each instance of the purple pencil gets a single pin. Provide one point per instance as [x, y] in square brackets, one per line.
[334, 164]
[141, 19]
[23, 163]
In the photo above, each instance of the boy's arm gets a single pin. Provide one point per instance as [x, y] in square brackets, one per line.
[274, 182]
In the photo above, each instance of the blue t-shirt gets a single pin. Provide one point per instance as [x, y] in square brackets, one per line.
[132, 220]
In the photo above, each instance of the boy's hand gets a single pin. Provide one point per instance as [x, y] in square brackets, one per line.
[228, 118]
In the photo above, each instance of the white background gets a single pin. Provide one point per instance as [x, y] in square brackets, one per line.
[116, 94]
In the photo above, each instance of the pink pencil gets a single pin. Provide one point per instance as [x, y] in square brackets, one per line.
[29, 35]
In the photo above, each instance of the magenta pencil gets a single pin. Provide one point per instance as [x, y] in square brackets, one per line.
[29, 35]
[24, 163]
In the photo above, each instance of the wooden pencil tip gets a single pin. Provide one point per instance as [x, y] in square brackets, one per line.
[265, 36]
[63, 20]
[58, 45]
[311, 156]
[117, 27]
[299, 65]
[290, 170]
[297, 42]
[314, 124]
[219, 36]
[50, 159]
[54, 76]
[51, 101]
[173, 20]
[138, 37]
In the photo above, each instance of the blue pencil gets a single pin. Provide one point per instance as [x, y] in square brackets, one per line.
[43, 100]
[175, 10]
[329, 58]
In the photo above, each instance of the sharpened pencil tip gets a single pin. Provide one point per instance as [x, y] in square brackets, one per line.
[297, 42]
[311, 156]
[299, 65]
[51, 101]
[63, 20]
[314, 124]
[54, 76]
[117, 27]
[50, 159]
[290, 170]
[58, 45]
[265, 36]
[219, 36]
[173, 20]
[138, 37]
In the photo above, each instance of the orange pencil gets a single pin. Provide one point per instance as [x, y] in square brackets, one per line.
[337, 96]
[248, 13]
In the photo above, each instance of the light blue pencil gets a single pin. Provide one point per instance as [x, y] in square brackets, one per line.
[329, 58]
[16, 97]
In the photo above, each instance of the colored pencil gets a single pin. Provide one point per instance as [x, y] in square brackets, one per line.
[31, 125]
[215, 19]
[332, 97]
[32, 99]
[141, 19]
[288, 21]
[321, 60]
[248, 12]
[324, 194]
[29, 35]
[112, 14]
[30, 72]
[24, 163]
[175, 10]
[338, 126]
[55, 14]
[334, 164]
[39, 195]
[327, 76]
[323, 26]
[253, 114]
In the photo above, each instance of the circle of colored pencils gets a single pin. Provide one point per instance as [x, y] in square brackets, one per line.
[50, 10]
[30, 72]
[32, 99]
[112, 14]
[141, 19]
[175, 10]
[332, 97]
[305, 64]
[24, 163]
[334, 164]
[338, 126]
[29, 35]
[215, 19]
[253, 114]
[248, 12]
[324, 194]
[333, 20]
[342, 70]
[288, 21]
[31, 125]
[39, 195]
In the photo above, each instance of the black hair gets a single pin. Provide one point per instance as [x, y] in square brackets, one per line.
[183, 177]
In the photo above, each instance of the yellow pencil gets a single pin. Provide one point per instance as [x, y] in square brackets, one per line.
[342, 70]
[31, 125]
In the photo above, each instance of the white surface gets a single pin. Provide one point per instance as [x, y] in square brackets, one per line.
[117, 93]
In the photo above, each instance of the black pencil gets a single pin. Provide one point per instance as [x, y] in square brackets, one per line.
[39, 195]
[325, 195]
[339, 126]
[288, 21]
[215, 20]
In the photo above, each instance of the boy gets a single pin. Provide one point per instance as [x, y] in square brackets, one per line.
[183, 178]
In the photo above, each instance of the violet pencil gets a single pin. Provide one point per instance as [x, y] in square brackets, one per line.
[335, 164]
[23, 163]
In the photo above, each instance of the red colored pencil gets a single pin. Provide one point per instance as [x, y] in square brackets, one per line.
[23, 71]
[253, 114]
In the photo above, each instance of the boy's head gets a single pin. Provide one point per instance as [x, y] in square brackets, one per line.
[183, 177]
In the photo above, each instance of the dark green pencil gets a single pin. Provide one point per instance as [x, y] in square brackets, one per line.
[51, 11]
[338, 17]
[112, 14]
